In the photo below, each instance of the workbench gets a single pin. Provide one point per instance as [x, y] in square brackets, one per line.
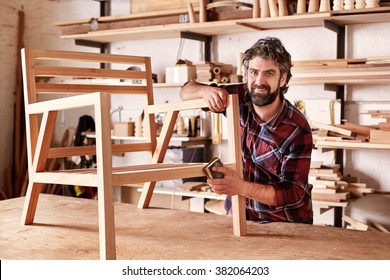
[67, 228]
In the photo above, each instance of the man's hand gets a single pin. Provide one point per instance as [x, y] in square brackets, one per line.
[231, 184]
[216, 98]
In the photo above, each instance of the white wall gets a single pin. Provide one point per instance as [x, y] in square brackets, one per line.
[305, 43]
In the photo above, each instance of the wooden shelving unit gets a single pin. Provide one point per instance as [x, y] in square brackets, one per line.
[228, 26]
[333, 20]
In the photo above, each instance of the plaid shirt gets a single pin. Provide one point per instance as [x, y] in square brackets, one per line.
[278, 153]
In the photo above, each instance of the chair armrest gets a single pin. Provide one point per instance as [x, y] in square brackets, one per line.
[178, 106]
[63, 103]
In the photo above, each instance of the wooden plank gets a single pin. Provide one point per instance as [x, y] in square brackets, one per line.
[330, 203]
[335, 197]
[358, 129]
[379, 226]
[91, 150]
[352, 145]
[19, 168]
[140, 6]
[380, 136]
[356, 224]
[333, 128]
[87, 88]
[178, 106]
[64, 103]
[384, 126]
[58, 71]
[86, 56]
[359, 192]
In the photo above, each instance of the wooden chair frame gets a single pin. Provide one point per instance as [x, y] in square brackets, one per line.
[40, 126]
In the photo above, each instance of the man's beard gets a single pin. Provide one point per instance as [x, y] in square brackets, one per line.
[261, 99]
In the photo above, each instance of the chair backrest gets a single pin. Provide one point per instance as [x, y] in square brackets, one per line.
[53, 74]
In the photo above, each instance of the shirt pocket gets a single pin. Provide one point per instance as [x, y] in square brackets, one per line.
[267, 157]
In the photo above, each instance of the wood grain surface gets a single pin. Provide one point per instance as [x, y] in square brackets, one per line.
[67, 228]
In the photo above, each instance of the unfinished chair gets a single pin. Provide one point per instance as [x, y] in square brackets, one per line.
[53, 74]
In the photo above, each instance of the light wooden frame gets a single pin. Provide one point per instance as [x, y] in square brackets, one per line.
[40, 126]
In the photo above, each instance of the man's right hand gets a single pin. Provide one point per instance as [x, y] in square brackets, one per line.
[216, 98]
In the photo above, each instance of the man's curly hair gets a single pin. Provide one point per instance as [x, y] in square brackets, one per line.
[270, 48]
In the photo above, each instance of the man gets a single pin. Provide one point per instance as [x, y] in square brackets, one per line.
[275, 137]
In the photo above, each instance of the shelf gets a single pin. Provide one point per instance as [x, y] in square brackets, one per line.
[364, 74]
[352, 145]
[234, 26]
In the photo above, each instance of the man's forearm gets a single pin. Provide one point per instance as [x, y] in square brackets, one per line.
[259, 192]
[192, 90]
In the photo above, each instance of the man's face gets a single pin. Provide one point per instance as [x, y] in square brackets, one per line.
[264, 81]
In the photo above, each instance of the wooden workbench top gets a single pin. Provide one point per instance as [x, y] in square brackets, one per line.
[67, 228]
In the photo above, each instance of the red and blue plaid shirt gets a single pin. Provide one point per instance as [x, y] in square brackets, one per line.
[277, 153]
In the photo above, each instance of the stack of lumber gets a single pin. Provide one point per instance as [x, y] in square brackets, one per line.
[331, 188]
[341, 132]
[344, 71]
[213, 71]
[357, 225]
[374, 136]
[381, 135]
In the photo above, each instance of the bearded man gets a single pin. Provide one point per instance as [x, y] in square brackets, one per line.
[276, 138]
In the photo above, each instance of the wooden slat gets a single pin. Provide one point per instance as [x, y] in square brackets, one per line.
[87, 56]
[77, 88]
[336, 129]
[185, 105]
[61, 152]
[59, 71]
[65, 103]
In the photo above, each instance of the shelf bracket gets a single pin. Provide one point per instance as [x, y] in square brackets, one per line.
[199, 37]
[340, 31]
[105, 8]
[330, 87]
[340, 90]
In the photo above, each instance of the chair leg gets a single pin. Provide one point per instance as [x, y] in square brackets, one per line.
[146, 195]
[106, 223]
[238, 202]
[239, 216]
[104, 173]
[30, 202]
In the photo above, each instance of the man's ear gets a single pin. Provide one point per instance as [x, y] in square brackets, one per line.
[283, 80]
